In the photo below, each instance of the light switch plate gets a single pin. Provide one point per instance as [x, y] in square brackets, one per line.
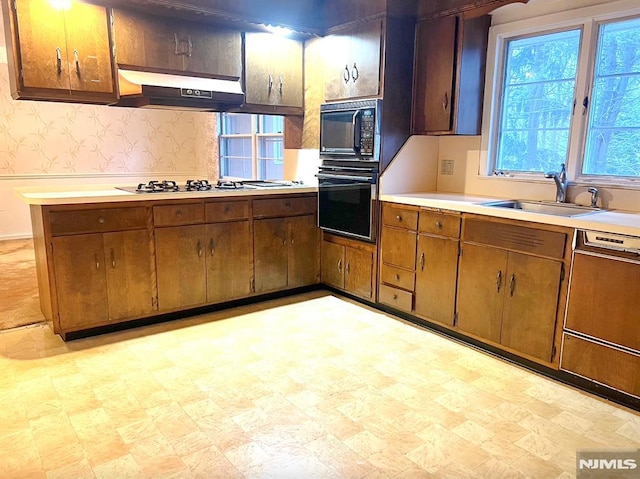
[446, 167]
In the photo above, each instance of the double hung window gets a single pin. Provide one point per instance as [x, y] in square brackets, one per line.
[251, 146]
[566, 93]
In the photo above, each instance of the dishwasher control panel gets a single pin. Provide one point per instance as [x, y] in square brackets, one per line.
[597, 239]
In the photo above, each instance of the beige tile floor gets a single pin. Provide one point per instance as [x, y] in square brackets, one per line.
[312, 386]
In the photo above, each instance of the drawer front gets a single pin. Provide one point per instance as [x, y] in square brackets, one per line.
[399, 217]
[399, 247]
[614, 367]
[515, 237]
[439, 224]
[176, 215]
[278, 207]
[96, 221]
[226, 211]
[398, 277]
[396, 298]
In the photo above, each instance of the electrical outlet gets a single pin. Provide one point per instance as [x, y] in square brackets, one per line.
[446, 167]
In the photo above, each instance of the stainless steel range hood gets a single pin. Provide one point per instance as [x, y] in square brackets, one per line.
[164, 91]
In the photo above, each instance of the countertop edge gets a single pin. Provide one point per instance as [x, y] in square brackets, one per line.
[78, 196]
[609, 221]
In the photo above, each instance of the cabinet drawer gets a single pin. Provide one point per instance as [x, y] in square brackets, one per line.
[277, 207]
[175, 215]
[614, 367]
[395, 297]
[439, 224]
[95, 221]
[226, 211]
[399, 217]
[398, 277]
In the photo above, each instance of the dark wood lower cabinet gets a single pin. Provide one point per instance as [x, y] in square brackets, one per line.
[180, 266]
[436, 276]
[302, 260]
[229, 261]
[81, 283]
[348, 265]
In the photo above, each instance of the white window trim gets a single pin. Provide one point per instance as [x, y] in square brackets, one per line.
[585, 18]
[254, 137]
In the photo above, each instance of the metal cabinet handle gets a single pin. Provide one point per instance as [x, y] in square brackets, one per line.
[422, 261]
[101, 220]
[399, 218]
[270, 84]
[113, 259]
[499, 281]
[395, 296]
[280, 84]
[199, 249]
[189, 46]
[77, 60]
[177, 49]
[59, 60]
[339, 266]
[397, 277]
[445, 102]
[284, 241]
[346, 74]
[512, 284]
[354, 72]
[348, 267]
[212, 246]
[95, 256]
[439, 224]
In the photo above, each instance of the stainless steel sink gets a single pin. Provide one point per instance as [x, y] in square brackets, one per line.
[545, 207]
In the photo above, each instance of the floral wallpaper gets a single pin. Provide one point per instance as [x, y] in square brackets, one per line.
[44, 138]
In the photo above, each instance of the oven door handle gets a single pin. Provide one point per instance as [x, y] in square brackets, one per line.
[345, 177]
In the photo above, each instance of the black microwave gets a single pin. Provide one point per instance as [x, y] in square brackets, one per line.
[350, 130]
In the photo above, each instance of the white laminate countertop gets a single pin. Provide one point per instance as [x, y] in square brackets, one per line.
[611, 221]
[61, 195]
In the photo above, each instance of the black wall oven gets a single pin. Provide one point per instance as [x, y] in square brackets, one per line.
[347, 195]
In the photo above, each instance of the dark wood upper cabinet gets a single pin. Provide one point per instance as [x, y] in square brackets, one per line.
[59, 54]
[169, 45]
[352, 61]
[273, 73]
[449, 73]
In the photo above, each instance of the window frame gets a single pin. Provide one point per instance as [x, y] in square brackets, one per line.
[588, 20]
[255, 136]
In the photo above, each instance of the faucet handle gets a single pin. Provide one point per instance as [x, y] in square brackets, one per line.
[594, 196]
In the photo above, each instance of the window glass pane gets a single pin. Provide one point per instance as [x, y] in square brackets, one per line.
[537, 101]
[270, 155]
[236, 167]
[271, 124]
[235, 157]
[613, 134]
[236, 123]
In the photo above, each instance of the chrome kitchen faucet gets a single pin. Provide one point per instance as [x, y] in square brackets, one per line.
[561, 183]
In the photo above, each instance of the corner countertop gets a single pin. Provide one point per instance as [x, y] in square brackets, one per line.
[61, 195]
[609, 221]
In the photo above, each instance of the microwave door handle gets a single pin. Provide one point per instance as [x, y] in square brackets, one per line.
[356, 131]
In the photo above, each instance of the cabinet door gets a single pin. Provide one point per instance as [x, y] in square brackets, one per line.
[366, 42]
[303, 251]
[531, 301]
[229, 261]
[332, 264]
[88, 52]
[337, 66]
[481, 285]
[128, 269]
[43, 45]
[436, 274]
[273, 67]
[358, 272]
[270, 246]
[214, 51]
[399, 247]
[180, 266]
[605, 288]
[147, 41]
[81, 282]
[435, 60]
